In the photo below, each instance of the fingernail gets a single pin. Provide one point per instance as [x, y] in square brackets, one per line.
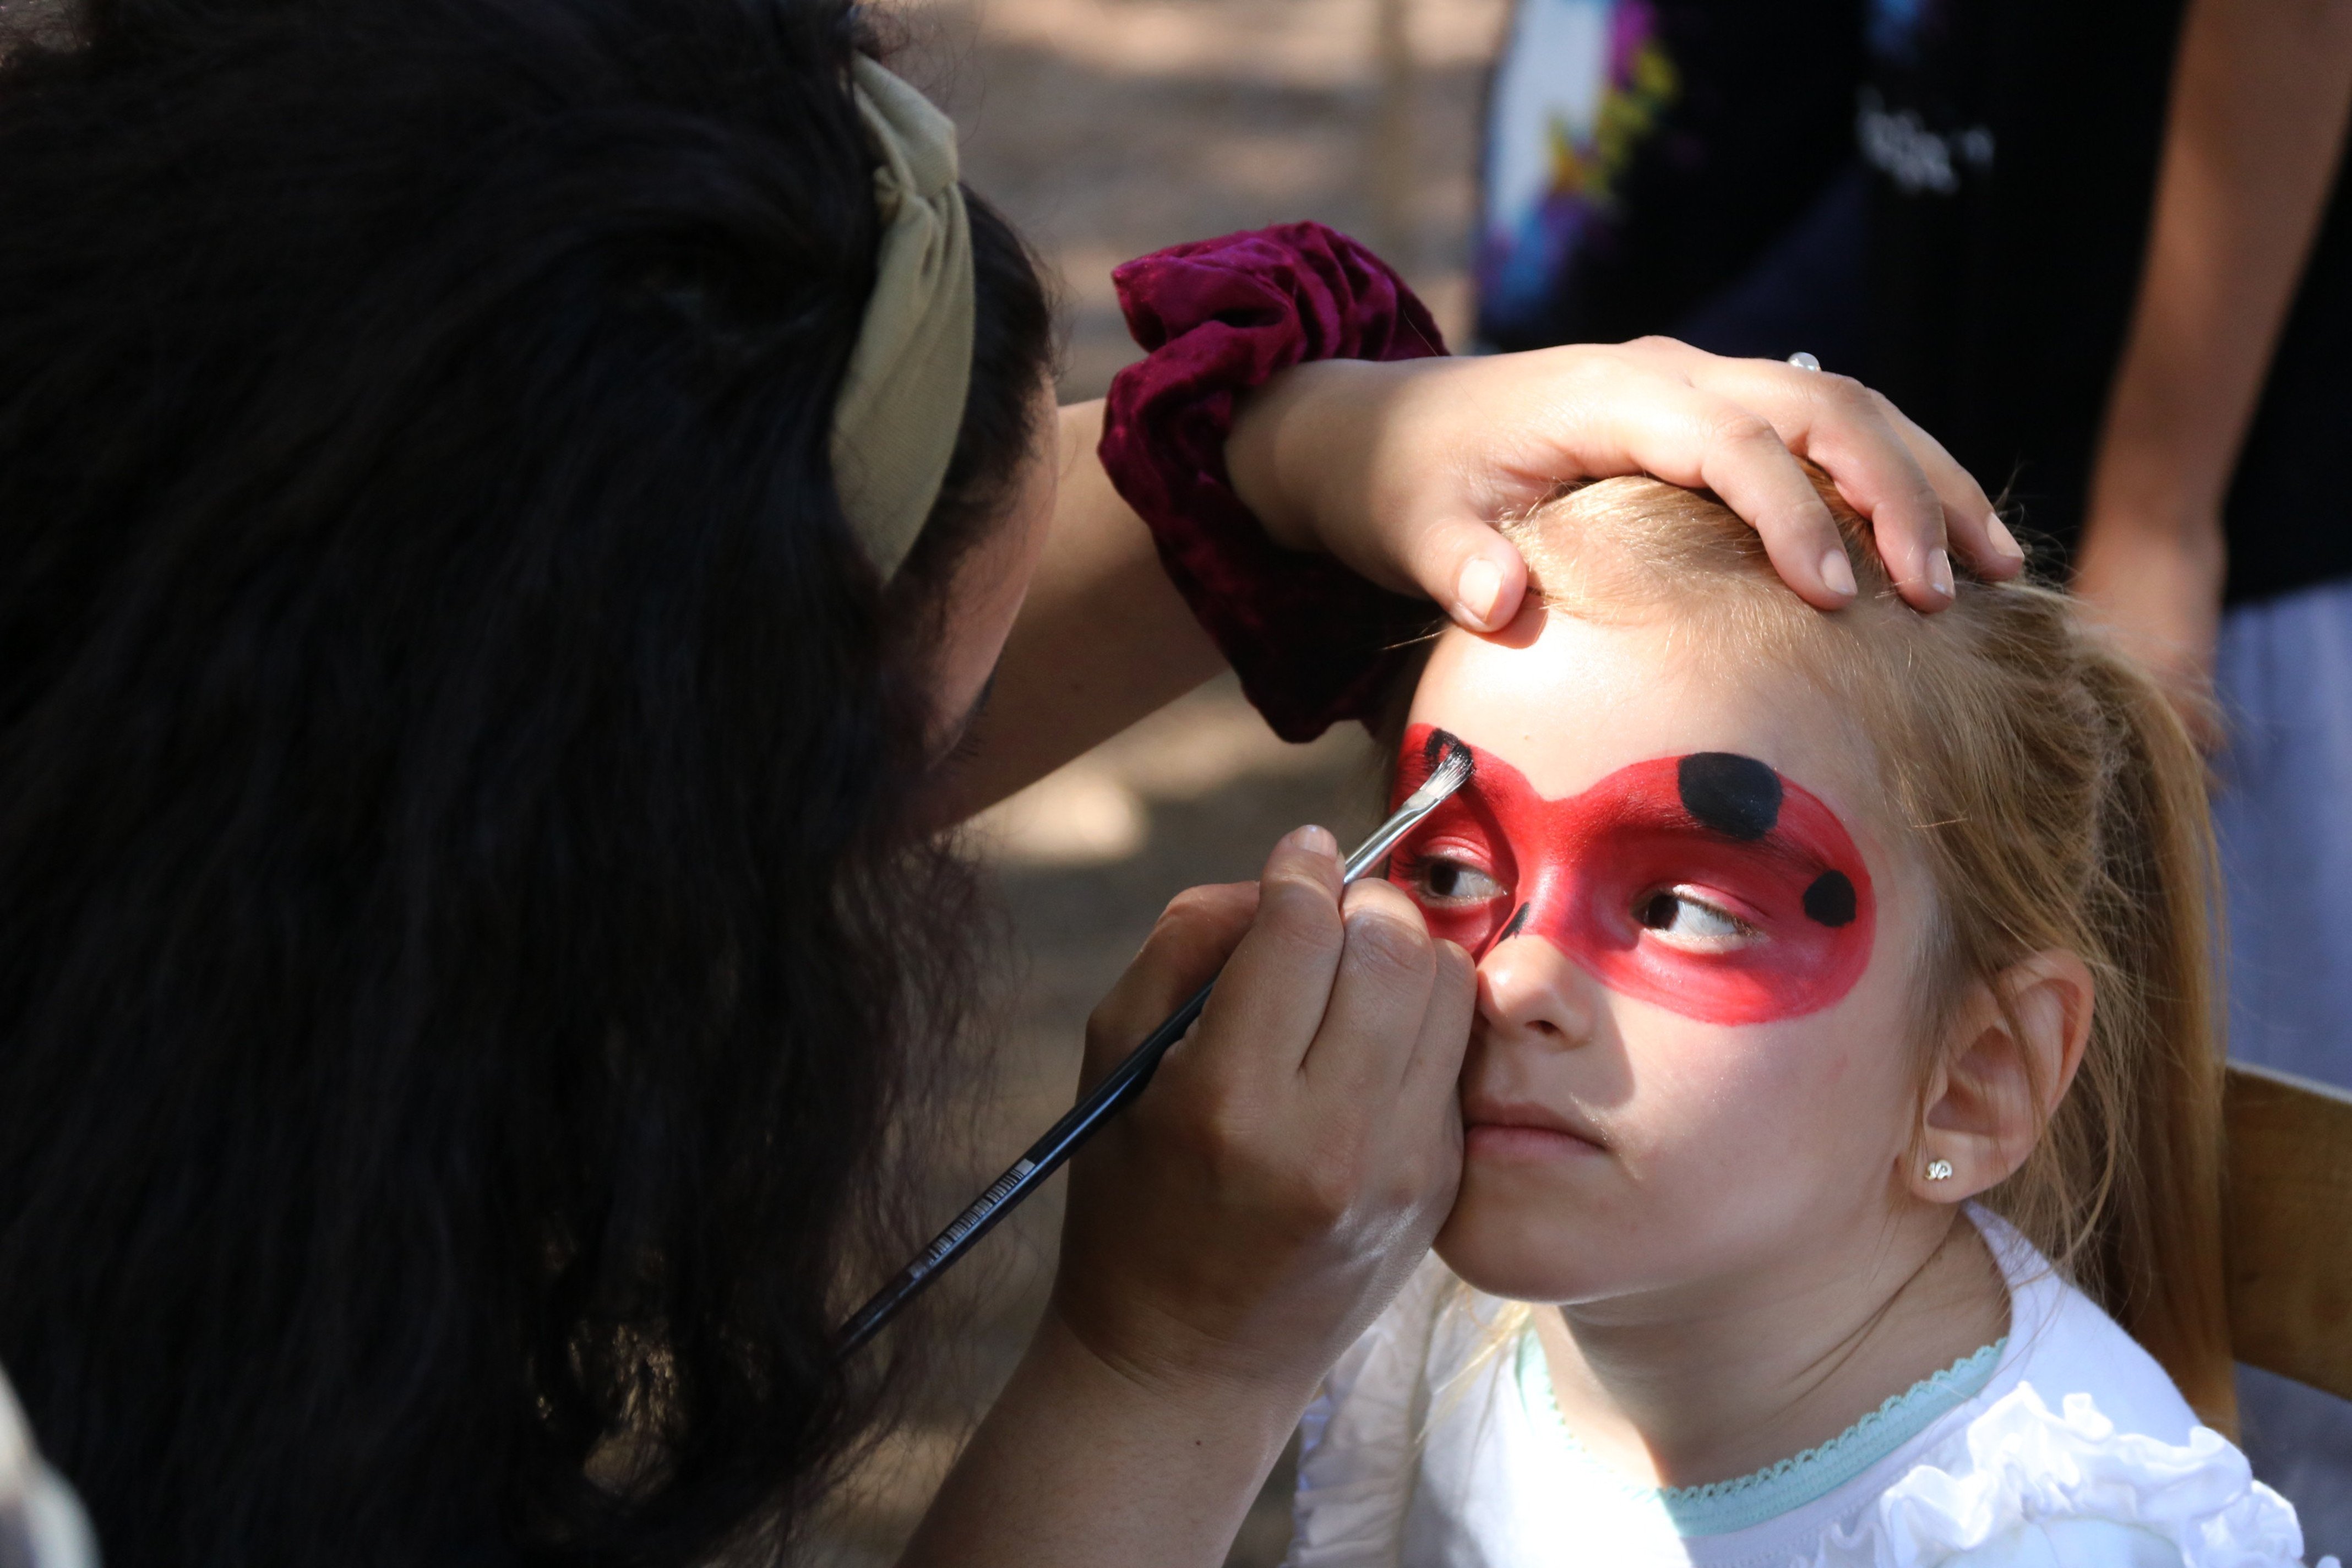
[2003, 542]
[1314, 841]
[1939, 572]
[1838, 573]
[1477, 589]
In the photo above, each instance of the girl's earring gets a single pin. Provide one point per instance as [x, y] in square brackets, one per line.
[1939, 1170]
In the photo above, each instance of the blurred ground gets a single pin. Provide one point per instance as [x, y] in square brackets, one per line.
[1109, 128]
[1106, 129]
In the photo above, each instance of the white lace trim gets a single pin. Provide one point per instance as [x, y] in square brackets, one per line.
[2025, 1465]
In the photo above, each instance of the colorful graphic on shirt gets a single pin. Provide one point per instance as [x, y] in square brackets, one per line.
[1894, 26]
[1708, 884]
[1897, 138]
[1582, 85]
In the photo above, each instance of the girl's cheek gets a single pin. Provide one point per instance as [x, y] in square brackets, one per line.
[1471, 929]
[1725, 1095]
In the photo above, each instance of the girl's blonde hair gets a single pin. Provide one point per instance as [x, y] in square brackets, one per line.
[2057, 803]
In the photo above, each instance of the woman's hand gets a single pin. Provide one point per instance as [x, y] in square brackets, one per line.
[1234, 1230]
[1402, 470]
[1294, 1156]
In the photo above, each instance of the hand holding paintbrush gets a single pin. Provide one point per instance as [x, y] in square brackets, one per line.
[1299, 1013]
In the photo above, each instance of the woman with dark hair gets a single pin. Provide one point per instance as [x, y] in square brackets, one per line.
[509, 508]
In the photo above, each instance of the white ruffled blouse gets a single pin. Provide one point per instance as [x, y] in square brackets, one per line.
[2063, 1443]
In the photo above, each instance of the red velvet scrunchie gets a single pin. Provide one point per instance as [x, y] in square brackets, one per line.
[1312, 642]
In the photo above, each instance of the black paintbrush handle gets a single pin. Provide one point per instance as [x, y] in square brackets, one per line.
[1125, 1081]
[1045, 1157]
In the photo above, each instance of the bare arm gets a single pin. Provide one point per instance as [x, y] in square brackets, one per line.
[1081, 1464]
[2260, 95]
[1103, 638]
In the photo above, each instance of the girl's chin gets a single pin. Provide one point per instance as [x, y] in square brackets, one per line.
[1502, 1265]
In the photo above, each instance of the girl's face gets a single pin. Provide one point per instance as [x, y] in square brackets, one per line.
[1692, 1061]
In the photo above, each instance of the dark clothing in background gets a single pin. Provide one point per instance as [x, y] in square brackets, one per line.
[1948, 198]
[2013, 146]
[1685, 138]
[2000, 294]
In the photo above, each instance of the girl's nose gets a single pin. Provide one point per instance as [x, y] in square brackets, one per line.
[1528, 989]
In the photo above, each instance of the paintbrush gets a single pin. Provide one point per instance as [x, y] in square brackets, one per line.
[1450, 772]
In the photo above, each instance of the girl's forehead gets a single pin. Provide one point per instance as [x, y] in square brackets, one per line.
[1568, 701]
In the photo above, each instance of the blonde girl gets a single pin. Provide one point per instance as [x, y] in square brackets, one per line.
[1840, 1173]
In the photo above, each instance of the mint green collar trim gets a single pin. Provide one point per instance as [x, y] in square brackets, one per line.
[1720, 1508]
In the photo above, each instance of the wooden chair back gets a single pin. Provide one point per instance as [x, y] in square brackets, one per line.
[2287, 1227]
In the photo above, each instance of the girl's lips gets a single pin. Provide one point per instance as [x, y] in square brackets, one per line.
[1513, 1141]
[1527, 1131]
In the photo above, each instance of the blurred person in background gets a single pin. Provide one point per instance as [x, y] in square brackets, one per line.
[2103, 250]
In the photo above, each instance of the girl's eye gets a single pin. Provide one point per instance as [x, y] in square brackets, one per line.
[1451, 881]
[1682, 916]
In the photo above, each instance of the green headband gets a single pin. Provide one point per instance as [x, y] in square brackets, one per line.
[901, 403]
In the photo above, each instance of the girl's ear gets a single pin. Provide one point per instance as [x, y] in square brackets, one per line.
[2000, 1081]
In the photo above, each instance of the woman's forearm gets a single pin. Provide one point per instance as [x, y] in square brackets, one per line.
[1080, 1465]
[2260, 94]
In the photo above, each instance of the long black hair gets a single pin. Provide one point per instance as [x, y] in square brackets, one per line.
[461, 949]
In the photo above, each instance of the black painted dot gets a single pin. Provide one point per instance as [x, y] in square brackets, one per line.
[1830, 901]
[1512, 929]
[1440, 741]
[1737, 796]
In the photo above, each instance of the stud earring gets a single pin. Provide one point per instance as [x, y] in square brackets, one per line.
[1939, 1170]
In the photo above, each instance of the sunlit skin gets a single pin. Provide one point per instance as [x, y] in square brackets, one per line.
[991, 582]
[1688, 1105]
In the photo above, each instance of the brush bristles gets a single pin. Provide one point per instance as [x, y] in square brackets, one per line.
[1453, 770]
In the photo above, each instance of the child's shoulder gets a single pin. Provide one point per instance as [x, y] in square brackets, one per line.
[2026, 1479]
[2079, 1449]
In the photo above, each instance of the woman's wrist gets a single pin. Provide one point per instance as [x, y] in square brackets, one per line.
[1081, 1461]
[1223, 319]
[1292, 435]
[1184, 1396]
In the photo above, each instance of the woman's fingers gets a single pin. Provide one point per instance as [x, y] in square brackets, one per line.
[1386, 972]
[1689, 435]
[1919, 498]
[1193, 938]
[1428, 1115]
[1976, 532]
[1435, 1066]
[1471, 571]
[1405, 471]
[1841, 425]
[1635, 410]
[1271, 997]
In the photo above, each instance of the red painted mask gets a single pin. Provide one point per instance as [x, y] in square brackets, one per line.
[1708, 884]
